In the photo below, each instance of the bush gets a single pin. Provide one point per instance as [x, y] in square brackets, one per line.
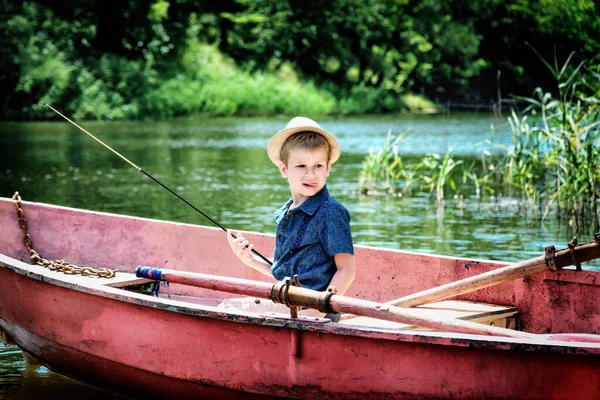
[212, 84]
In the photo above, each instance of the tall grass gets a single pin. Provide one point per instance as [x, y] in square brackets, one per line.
[384, 170]
[555, 158]
[552, 164]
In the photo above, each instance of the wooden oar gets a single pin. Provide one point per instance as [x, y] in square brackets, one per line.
[552, 261]
[283, 292]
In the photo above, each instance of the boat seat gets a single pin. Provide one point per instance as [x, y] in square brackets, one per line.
[120, 280]
[123, 279]
[483, 313]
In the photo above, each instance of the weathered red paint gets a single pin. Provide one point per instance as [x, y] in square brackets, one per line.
[124, 340]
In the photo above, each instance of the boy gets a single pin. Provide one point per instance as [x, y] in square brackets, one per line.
[313, 239]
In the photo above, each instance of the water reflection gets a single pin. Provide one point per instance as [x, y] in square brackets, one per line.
[220, 165]
[20, 381]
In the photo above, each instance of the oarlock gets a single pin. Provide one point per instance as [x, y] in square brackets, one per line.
[550, 258]
[571, 245]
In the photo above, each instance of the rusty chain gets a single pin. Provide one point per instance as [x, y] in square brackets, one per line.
[58, 265]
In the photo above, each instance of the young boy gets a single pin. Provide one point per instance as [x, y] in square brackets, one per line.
[313, 238]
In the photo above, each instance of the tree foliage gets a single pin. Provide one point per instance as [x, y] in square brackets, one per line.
[117, 59]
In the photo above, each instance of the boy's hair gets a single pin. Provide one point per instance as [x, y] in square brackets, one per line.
[303, 140]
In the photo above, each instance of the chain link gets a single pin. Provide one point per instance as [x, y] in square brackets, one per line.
[58, 265]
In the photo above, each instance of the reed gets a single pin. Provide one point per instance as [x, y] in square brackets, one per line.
[552, 164]
[555, 154]
[383, 169]
[440, 174]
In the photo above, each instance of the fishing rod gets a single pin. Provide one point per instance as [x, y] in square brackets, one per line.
[154, 179]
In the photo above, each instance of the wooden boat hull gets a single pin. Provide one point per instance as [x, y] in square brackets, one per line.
[135, 343]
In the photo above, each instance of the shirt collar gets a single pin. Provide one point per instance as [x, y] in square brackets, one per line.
[311, 205]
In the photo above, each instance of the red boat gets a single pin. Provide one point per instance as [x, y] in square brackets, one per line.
[535, 335]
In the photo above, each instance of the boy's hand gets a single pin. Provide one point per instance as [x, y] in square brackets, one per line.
[241, 247]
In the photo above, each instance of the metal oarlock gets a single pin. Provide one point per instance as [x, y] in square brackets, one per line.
[571, 245]
[550, 258]
[289, 282]
[576, 254]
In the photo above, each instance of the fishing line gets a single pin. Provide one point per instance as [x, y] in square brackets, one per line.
[153, 178]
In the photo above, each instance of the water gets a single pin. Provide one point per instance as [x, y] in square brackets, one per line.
[220, 166]
[19, 381]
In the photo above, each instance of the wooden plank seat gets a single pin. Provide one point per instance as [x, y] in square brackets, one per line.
[120, 280]
[123, 279]
[484, 313]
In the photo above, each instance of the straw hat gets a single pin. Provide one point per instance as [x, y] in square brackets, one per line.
[301, 124]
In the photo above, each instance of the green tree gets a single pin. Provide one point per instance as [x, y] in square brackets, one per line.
[108, 59]
[550, 26]
[388, 44]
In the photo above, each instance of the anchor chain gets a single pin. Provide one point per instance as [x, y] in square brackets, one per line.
[58, 265]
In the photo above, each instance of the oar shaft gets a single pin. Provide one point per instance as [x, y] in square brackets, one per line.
[562, 258]
[471, 284]
[244, 287]
[387, 312]
[322, 301]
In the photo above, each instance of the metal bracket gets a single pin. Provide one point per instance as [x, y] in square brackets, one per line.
[286, 299]
[572, 244]
[288, 282]
[323, 302]
[550, 255]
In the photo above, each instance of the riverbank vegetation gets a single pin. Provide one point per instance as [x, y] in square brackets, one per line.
[553, 160]
[164, 58]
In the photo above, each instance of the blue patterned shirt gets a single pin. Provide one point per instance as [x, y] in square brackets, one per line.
[307, 239]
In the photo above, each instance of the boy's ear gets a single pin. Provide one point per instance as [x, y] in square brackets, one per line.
[283, 169]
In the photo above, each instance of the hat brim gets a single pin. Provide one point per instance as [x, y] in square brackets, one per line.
[277, 141]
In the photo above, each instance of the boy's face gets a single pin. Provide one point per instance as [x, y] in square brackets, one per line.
[306, 171]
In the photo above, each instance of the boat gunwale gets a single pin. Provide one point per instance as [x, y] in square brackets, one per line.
[212, 228]
[88, 286]
[498, 263]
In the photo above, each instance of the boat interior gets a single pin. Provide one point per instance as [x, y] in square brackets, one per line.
[480, 312]
[563, 301]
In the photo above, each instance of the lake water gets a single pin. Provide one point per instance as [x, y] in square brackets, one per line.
[220, 166]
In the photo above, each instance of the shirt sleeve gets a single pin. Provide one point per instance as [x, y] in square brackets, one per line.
[335, 233]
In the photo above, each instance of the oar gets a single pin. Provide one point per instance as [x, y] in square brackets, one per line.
[574, 255]
[326, 302]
